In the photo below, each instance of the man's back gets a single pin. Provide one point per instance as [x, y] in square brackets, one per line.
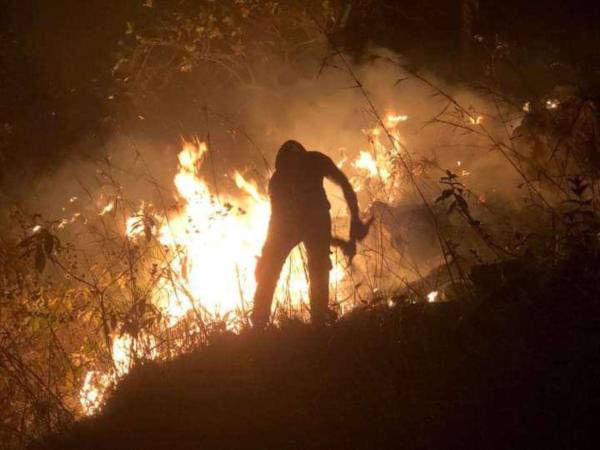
[300, 214]
[298, 190]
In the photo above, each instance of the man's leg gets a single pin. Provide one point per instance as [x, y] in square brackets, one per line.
[268, 268]
[317, 245]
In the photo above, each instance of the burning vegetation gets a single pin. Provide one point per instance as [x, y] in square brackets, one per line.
[128, 270]
[202, 257]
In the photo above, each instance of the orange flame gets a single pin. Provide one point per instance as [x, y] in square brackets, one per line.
[214, 241]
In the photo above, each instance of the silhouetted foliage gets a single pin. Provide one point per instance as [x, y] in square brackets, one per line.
[515, 368]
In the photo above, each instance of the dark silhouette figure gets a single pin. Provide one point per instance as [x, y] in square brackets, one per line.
[300, 213]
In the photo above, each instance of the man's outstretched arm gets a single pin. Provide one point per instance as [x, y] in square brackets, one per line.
[358, 230]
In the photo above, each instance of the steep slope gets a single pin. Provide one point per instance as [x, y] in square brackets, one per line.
[504, 372]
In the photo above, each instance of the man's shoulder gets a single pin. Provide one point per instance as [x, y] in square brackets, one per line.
[316, 154]
[318, 158]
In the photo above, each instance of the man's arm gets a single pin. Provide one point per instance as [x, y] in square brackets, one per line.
[358, 230]
[334, 174]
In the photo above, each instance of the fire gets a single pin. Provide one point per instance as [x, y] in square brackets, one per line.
[217, 243]
[393, 120]
[476, 120]
[552, 103]
[96, 384]
[432, 296]
[366, 162]
[378, 167]
[107, 208]
[91, 395]
[216, 240]
[213, 240]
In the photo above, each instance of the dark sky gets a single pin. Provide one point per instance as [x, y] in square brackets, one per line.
[55, 72]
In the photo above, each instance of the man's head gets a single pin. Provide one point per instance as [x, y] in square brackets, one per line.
[289, 155]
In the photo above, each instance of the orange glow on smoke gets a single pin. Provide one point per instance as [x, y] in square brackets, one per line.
[214, 241]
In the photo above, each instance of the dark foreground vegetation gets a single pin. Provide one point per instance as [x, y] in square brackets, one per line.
[514, 367]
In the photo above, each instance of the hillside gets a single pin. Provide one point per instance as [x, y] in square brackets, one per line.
[513, 368]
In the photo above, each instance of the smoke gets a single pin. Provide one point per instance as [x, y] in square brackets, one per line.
[325, 110]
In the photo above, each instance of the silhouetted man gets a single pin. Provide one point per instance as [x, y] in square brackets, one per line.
[300, 213]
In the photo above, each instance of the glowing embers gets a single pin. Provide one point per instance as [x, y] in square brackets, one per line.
[432, 296]
[216, 240]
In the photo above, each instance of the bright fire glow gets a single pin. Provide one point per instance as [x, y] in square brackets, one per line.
[107, 208]
[378, 167]
[366, 162]
[393, 120]
[432, 296]
[213, 241]
[476, 120]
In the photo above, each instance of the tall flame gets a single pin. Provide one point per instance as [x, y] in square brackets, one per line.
[213, 241]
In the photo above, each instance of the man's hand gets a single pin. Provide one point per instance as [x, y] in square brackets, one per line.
[358, 229]
[348, 248]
